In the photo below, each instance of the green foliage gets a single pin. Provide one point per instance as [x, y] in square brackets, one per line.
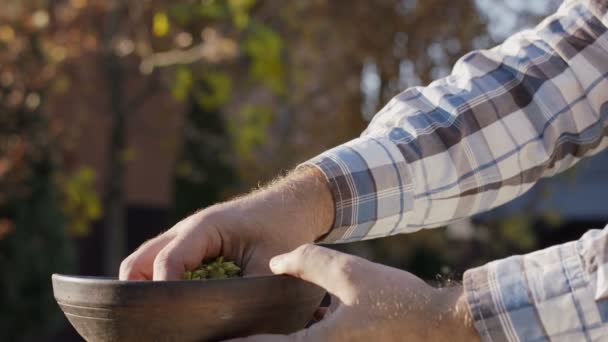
[240, 12]
[237, 10]
[211, 90]
[181, 13]
[264, 47]
[183, 83]
[81, 203]
[38, 247]
[160, 24]
[203, 170]
[553, 219]
[211, 9]
[518, 231]
[251, 129]
[214, 269]
[215, 91]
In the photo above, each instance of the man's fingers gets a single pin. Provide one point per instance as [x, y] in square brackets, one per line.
[334, 271]
[184, 252]
[138, 265]
[169, 264]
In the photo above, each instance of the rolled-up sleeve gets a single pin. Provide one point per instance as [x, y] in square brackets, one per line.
[556, 294]
[504, 118]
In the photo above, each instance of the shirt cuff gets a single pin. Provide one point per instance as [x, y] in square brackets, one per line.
[371, 186]
[536, 297]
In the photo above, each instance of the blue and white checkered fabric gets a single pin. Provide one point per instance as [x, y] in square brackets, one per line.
[506, 117]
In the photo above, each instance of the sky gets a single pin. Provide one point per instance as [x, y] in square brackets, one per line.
[503, 18]
[503, 14]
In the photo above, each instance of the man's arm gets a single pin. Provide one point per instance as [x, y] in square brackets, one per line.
[556, 294]
[529, 108]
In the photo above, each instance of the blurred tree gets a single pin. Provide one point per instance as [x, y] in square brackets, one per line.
[214, 124]
[34, 240]
[265, 83]
[199, 48]
[307, 75]
[179, 45]
[37, 246]
[203, 172]
[341, 61]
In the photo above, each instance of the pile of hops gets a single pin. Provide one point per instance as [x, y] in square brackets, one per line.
[215, 269]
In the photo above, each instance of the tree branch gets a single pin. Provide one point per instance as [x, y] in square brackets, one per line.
[213, 49]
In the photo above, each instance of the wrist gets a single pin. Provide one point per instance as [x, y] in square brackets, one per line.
[455, 321]
[300, 204]
[313, 200]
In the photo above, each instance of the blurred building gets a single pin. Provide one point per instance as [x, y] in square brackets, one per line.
[152, 131]
[578, 195]
[562, 208]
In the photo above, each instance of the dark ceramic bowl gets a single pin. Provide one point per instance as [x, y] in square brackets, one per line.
[105, 309]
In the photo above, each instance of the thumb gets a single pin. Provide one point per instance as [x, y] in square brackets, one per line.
[332, 270]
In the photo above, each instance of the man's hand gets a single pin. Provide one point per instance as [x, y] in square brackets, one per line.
[374, 302]
[249, 230]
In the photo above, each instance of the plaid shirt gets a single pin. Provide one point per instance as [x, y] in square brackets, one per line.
[506, 117]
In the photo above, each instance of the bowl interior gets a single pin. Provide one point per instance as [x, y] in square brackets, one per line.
[105, 309]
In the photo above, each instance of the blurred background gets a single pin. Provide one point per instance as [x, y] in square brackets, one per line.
[118, 118]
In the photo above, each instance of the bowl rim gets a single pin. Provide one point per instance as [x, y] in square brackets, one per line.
[99, 280]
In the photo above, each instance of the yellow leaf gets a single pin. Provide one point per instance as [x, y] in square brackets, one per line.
[7, 34]
[81, 203]
[182, 84]
[160, 24]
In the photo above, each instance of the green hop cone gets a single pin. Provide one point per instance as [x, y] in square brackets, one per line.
[214, 269]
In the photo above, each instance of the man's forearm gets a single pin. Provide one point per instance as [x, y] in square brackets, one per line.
[300, 203]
